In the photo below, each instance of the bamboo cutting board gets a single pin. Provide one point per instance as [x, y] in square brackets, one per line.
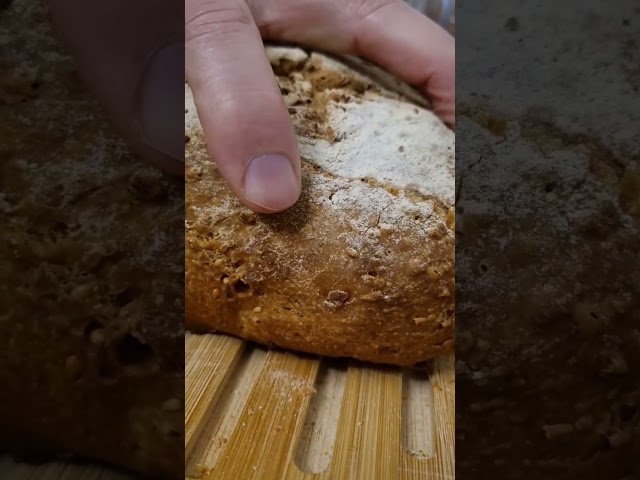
[253, 413]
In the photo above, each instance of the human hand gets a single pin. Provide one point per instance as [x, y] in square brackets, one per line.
[245, 121]
[135, 64]
[131, 55]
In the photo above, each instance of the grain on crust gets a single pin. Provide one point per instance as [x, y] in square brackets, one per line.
[366, 251]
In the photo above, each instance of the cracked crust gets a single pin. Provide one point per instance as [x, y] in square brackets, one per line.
[362, 266]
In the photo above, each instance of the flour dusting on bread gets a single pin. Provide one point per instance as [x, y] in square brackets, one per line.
[376, 215]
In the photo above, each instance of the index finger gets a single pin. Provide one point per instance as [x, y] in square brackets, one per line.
[245, 120]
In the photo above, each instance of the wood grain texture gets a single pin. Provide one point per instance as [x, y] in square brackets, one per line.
[214, 359]
[278, 415]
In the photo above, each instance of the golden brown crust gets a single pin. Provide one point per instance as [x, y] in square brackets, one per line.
[358, 267]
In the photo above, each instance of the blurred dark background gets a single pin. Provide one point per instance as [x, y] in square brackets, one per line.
[548, 216]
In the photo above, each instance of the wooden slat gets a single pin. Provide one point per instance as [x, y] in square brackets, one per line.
[259, 402]
[223, 419]
[262, 404]
[264, 436]
[210, 359]
[442, 464]
[317, 439]
[369, 439]
[444, 396]
[418, 429]
[291, 417]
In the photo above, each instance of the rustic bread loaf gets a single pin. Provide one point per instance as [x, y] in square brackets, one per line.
[91, 268]
[363, 264]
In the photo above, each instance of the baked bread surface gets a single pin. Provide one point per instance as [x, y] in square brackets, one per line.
[363, 264]
[91, 267]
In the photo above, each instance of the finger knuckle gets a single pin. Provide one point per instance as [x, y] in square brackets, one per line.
[216, 20]
[361, 9]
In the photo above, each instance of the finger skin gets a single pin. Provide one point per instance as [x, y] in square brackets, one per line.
[239, 104]
[112, 44]
[387, 32]
[416, 49]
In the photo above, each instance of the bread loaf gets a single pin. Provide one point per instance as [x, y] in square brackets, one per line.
[363, 264]
[91, 327]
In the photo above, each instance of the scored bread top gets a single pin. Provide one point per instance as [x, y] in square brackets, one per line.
[368, 251]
